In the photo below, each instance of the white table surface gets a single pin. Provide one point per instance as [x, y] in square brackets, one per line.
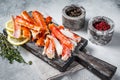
[109, 53]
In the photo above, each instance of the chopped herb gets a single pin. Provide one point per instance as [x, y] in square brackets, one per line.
[30, 62]
[8, 51]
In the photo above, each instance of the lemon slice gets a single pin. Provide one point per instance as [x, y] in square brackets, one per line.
[17, 41]
[9, 25]
[10, 33]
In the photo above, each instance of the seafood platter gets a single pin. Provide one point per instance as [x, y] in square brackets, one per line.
[53, 43]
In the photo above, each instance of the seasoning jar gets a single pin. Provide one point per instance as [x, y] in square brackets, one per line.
[100, 30]
[73, 17]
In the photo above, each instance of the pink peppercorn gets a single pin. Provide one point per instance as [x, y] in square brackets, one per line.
[102, 26]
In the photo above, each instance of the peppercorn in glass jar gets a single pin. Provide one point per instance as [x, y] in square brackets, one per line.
[100, 30]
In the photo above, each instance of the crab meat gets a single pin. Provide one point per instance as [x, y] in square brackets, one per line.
[74, 43]
[25, 32]
[23, 22]
[71, 35]
[49, 48]
[66, 53]
[55, 39]
[38, 17]
[47, 42]
[40, 41]
[41, 38]
[58, 46]
[60, 27]
[17, 28]
[26, 16]
[34, 34]
[48, 20]
[67, 35]
[62, 38]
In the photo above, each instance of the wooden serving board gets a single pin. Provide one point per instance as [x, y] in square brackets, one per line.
[56, 62]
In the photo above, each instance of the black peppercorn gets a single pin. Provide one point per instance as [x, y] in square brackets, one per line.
[73, 17]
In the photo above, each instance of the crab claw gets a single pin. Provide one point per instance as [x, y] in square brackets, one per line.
[66, 53]
[23, 22]
[40, 41]
[49, 48]
[38, 17]
[34, 34]
[48, 20]
[58, 46]
[17, 28]
[71, 35]
[25, 32]
[62, 38]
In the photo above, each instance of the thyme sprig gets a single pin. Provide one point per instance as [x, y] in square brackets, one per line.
[8, 51]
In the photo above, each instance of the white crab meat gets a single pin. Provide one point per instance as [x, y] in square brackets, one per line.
[71, 35]
[58, 46]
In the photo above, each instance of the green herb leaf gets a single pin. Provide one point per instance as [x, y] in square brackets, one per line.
[30, 62]
[8, 51]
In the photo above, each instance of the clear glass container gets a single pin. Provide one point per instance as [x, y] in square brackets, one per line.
[100, 37]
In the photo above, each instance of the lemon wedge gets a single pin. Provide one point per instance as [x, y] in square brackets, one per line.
[17, 41]
[9, 25]
[10, 33]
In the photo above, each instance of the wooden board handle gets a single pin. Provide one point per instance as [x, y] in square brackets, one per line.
[102, 69]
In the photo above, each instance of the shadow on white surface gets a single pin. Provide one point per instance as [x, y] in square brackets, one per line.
[115, 42]
[86, 25]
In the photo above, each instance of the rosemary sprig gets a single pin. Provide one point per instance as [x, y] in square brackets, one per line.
[8, 51]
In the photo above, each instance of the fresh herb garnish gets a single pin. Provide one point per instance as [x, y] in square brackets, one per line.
[30, 62]
[8, 51]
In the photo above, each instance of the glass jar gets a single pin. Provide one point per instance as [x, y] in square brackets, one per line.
[98, 35]
[73, 17]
